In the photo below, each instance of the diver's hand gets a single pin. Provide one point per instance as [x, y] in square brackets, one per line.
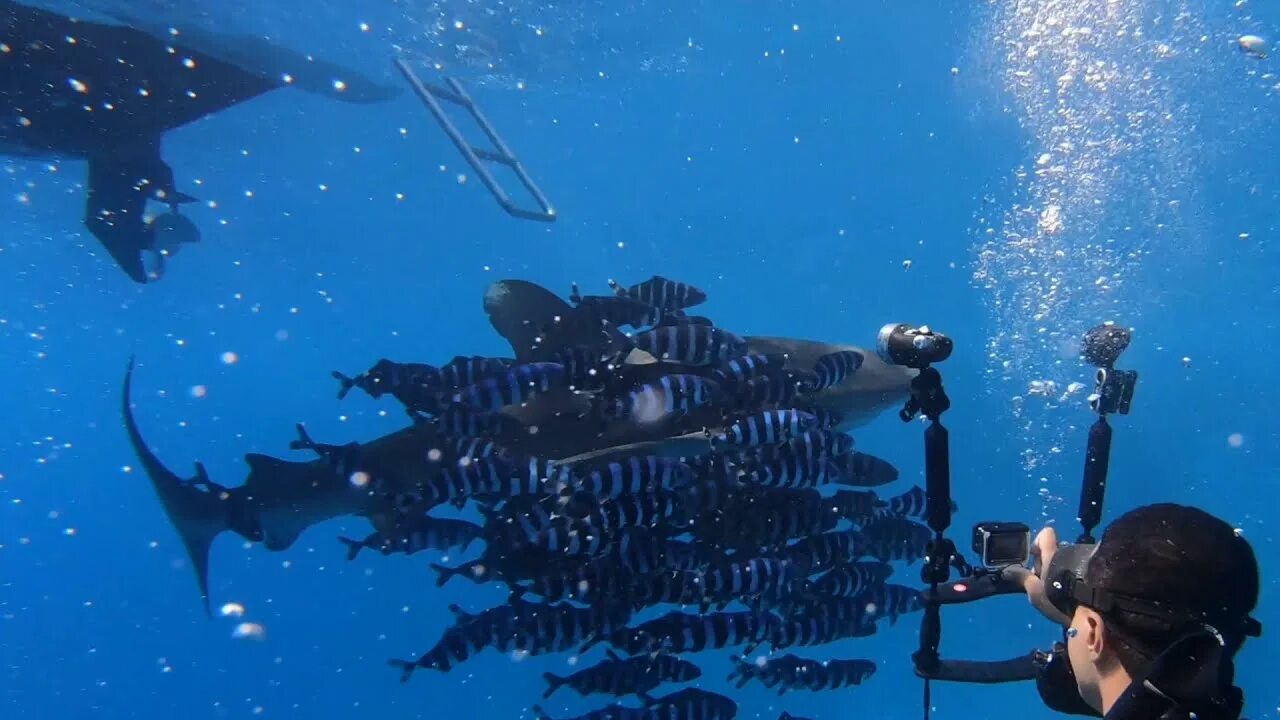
[1045, 546]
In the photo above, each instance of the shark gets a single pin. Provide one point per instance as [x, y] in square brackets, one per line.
[108, 94]
[280, 499]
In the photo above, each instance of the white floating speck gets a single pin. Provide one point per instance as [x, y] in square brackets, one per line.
[1253, 46]
[249, 631]
[231, 609]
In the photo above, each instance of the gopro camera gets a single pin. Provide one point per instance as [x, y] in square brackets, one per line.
[1001, 544]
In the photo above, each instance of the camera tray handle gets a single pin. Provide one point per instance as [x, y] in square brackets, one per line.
[984, 672]
[971, 589]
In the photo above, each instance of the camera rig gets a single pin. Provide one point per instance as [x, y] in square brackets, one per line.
[921, 348]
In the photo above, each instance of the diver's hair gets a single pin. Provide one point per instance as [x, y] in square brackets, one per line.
[1178, 555]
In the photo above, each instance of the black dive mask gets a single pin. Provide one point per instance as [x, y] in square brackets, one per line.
[1188, 673]
[1067, 586]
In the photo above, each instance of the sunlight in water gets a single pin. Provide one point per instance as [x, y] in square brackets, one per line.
[1095, 86]
[1092, 87]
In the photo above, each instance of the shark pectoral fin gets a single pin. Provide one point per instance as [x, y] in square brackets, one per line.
[113, 213]
[198, 515]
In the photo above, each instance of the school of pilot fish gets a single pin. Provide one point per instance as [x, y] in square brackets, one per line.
[637, 476]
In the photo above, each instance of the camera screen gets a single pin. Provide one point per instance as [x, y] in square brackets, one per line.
[1007, 548]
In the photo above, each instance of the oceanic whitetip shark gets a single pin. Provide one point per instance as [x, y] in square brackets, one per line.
[280, 498]
[74, 89]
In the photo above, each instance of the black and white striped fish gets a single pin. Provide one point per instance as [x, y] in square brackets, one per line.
[461, 420]
[892, 537]
[668, 397]
[767, 427]
[697, 345]
[825, 551]
[681, 632]
[691, 704]
[617, 310]
[891, 601]
[856, 506]
[663, 293]
[854, 579]
[513, 386]
[464, 370]
[413, 534]
[789, 672]
[635, 474]
[863, 470]
[832, 369]
[793, 471]
[625, 676]
[738, 371]
[416, 385]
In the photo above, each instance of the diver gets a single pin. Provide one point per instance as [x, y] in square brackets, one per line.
[1153, 615]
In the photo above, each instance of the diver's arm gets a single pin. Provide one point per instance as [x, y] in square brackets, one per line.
[1045, 547]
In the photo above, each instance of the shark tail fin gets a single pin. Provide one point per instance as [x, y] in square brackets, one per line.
[198, 515]
[353, 547]
[553, 684]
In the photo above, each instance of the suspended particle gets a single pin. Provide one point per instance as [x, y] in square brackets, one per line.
[199, 391]
[1253, 46]
[249, 631]
[231, 609]
[230, 358]
[1235, 440]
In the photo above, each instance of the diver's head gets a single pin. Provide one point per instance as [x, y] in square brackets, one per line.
[1164, 578]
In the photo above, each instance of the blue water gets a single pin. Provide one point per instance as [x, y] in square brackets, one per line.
[791, 186]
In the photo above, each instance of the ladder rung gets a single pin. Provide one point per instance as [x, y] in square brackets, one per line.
[430, 94]
[494, 156]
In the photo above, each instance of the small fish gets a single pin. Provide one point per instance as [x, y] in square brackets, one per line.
[513, 386]
[401, 380]
[744, 368]
[411, 535]
[634, 475]
[464, 370]
[789, 672]
[853, 579]
[625, 676]
[668, 397]
[863, 470]
[663, 293]
[695, 345]
[891, 537]
[618, 310]
[767, 427]
[832, 369]
[891, 601]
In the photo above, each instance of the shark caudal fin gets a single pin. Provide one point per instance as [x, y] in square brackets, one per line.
[197, 513]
